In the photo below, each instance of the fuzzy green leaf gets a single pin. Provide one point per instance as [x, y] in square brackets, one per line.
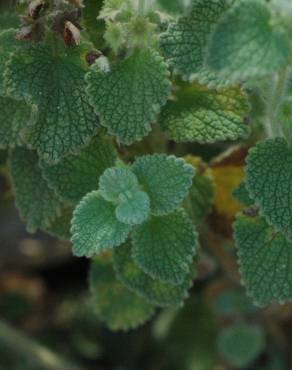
[14, 116]
[9, 20]
[166, 180]
[241, 194]
[133, 208]
[265, 260]
[95, 227]
[37, 203]
[240, 344]
[61, 225]
[155, 291]
[245, 43]
[269, 182]
[206, 116]
[184, 43]
[115, 305]
[164, 247]
[117, 181]
[8, 44]
[78, 174]
[56, 85]
[128, 98]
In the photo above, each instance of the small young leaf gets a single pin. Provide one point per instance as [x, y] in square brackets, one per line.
[55, 84]
[155, 291]
[37, 203]
[128, 98]
[166, 180]
[184, 43]
[241, 194]
[133, 208]
[60, 226]
[269, 182]
[117, 181]
[164, 247]
[245, 43]
[95, 227]
[240, 344]
[119, 308]
[78, 174]
[265, 260]
[206, 116]
[14, 116]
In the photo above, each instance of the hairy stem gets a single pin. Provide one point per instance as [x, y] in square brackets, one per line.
[31, 351]
[274, 102]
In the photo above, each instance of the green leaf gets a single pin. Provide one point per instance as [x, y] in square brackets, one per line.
[206, 116]
[37, 203]
[55, 84]
[166, 180]
[246, 44]
[8, 44]
[117, 181]
[269, 182]
[133, 208]
[240, 344]
[184, 43]
[116, 306]
[155, 291]
[95, 227]
[14, 116]
[128, 98]
[164, 247]
[265, 260]
[9, 20]
[241, 194]
[78, 174]
[60, 226]
[201, 195]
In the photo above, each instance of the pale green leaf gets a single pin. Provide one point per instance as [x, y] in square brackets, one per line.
[61, 225]
[269, 182]
[117, 181]
[246, 44]
[155, 291]
[166, 180]
[265, 260]
[134, 208]
[206, 116]
[37, 203]
[14, 116]
[240, 344]
[184, 43]
[95, 227]
[78, 174]
[115, 305]
[128, 98]
[164, 247]
[55, 84]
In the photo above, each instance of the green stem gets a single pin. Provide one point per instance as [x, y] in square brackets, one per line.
[28, 349]
[274, 102]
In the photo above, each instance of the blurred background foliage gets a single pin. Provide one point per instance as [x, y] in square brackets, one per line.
[48, 322]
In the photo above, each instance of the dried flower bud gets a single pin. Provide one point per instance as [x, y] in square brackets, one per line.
[35, 8]
[92, 56]
[25, 33]
[71, 34]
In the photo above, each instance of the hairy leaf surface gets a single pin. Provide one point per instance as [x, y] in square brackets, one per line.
[246, 44]
[166, 179]
[155, 291]
[206, 116]
[133, 208]
[265, 260]
[78, 174]
[61, 225]
[95, 227]
[37, 203]
[116, 306]
[164, 247]
[55, 84]
[269, 182]
[128, 98]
